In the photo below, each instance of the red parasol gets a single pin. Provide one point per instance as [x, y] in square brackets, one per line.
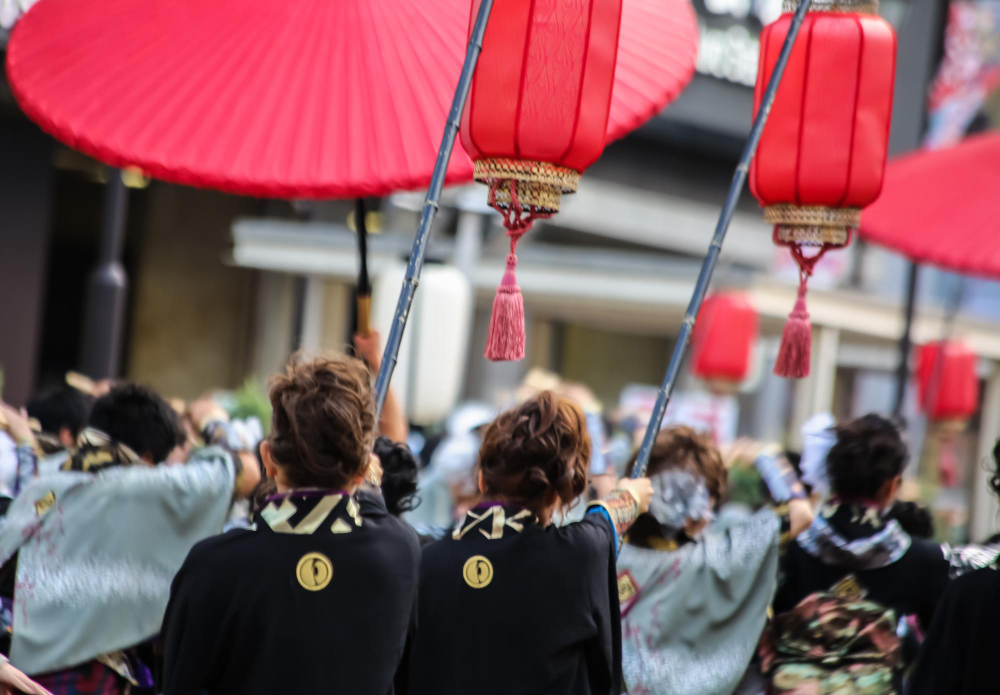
[291, 99]
[939, 207]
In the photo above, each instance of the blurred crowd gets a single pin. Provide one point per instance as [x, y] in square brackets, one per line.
[299, 541]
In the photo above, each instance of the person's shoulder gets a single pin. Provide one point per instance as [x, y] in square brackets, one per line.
[591, 536]
[402, 533]
[926, 552]
[971, 584]
[220, 551]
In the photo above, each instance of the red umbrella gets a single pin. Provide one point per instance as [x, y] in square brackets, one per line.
[289, 99]
[939, 207]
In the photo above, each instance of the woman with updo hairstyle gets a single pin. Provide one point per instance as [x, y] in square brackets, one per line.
[319, 595]
[510, 602]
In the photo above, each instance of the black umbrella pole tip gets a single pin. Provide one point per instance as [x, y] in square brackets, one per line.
[712, 257]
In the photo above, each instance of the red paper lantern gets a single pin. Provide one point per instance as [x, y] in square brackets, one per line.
[536, 117]
[947, 383]
[723, 340]
[822, 153]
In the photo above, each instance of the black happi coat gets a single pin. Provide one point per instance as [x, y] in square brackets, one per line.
[894, 570]
[513, 608]
[959, 655]
[320, 598]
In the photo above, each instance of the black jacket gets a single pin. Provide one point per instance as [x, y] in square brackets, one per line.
[512, 608]
[319, 599]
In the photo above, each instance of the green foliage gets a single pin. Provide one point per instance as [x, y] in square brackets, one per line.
[745, 486]
[251, 399]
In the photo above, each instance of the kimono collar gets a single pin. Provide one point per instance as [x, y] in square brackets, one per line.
[492, 518]
[307, 510]
[854, 536]
[96, 451]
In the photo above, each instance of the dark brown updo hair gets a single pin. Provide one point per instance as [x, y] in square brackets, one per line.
[323, 421]
[540, 447]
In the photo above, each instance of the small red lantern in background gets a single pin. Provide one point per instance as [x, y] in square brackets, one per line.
[948, 391]
[535, 119]
[822, 154]
[723, 341]
[947, 382]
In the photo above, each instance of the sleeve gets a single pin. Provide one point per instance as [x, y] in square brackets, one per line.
[940, 664]
[189, 636]
[604, 652]
[401, 681]
[620, 510]
[27, 467]
[935, 582]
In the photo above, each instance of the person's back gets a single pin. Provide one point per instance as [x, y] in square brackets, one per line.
[319, 595]
[509, 603]
[106, 535]
[540, 598]
[695, 598]
[958, 655]
[857, 568]
[278, 609]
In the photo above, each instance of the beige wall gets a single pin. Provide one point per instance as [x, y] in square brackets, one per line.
[190, 311]
[608, 361]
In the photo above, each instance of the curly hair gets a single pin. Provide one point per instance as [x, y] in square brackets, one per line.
[683, 447]
[399, 476]
[869, 452]
[539, 448]
[323, 420]
[679, 447]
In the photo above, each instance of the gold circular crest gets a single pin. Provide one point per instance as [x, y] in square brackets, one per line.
[314, 571]
[477, 572]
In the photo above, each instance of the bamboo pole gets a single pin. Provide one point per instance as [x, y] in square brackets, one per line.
[712, 257]
[431, 204]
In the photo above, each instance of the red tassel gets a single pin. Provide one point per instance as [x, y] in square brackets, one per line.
[505, 342]
[796, 340]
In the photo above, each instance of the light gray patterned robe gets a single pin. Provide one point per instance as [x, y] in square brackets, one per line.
[97, 553]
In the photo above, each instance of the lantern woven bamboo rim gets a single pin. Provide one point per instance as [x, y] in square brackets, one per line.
[812, 216]
[538, 184]
[544, 197]
[500, 169]
[858, 6]
[805, 235]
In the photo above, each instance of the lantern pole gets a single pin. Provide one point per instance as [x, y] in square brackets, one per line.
[712, 257]
[431, 204]
[905, 341]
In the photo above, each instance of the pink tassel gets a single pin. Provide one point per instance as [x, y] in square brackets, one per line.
[505, 342]
[796, 340]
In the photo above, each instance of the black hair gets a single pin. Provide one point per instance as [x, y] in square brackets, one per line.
[995, 477]
[399, 475]
[63, 407]
[868, 453]
[139, 418]
[915, 518]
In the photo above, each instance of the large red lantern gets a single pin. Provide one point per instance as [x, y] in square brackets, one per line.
[723, 341]
[947, 383]
[536, 117]
[822, 153]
